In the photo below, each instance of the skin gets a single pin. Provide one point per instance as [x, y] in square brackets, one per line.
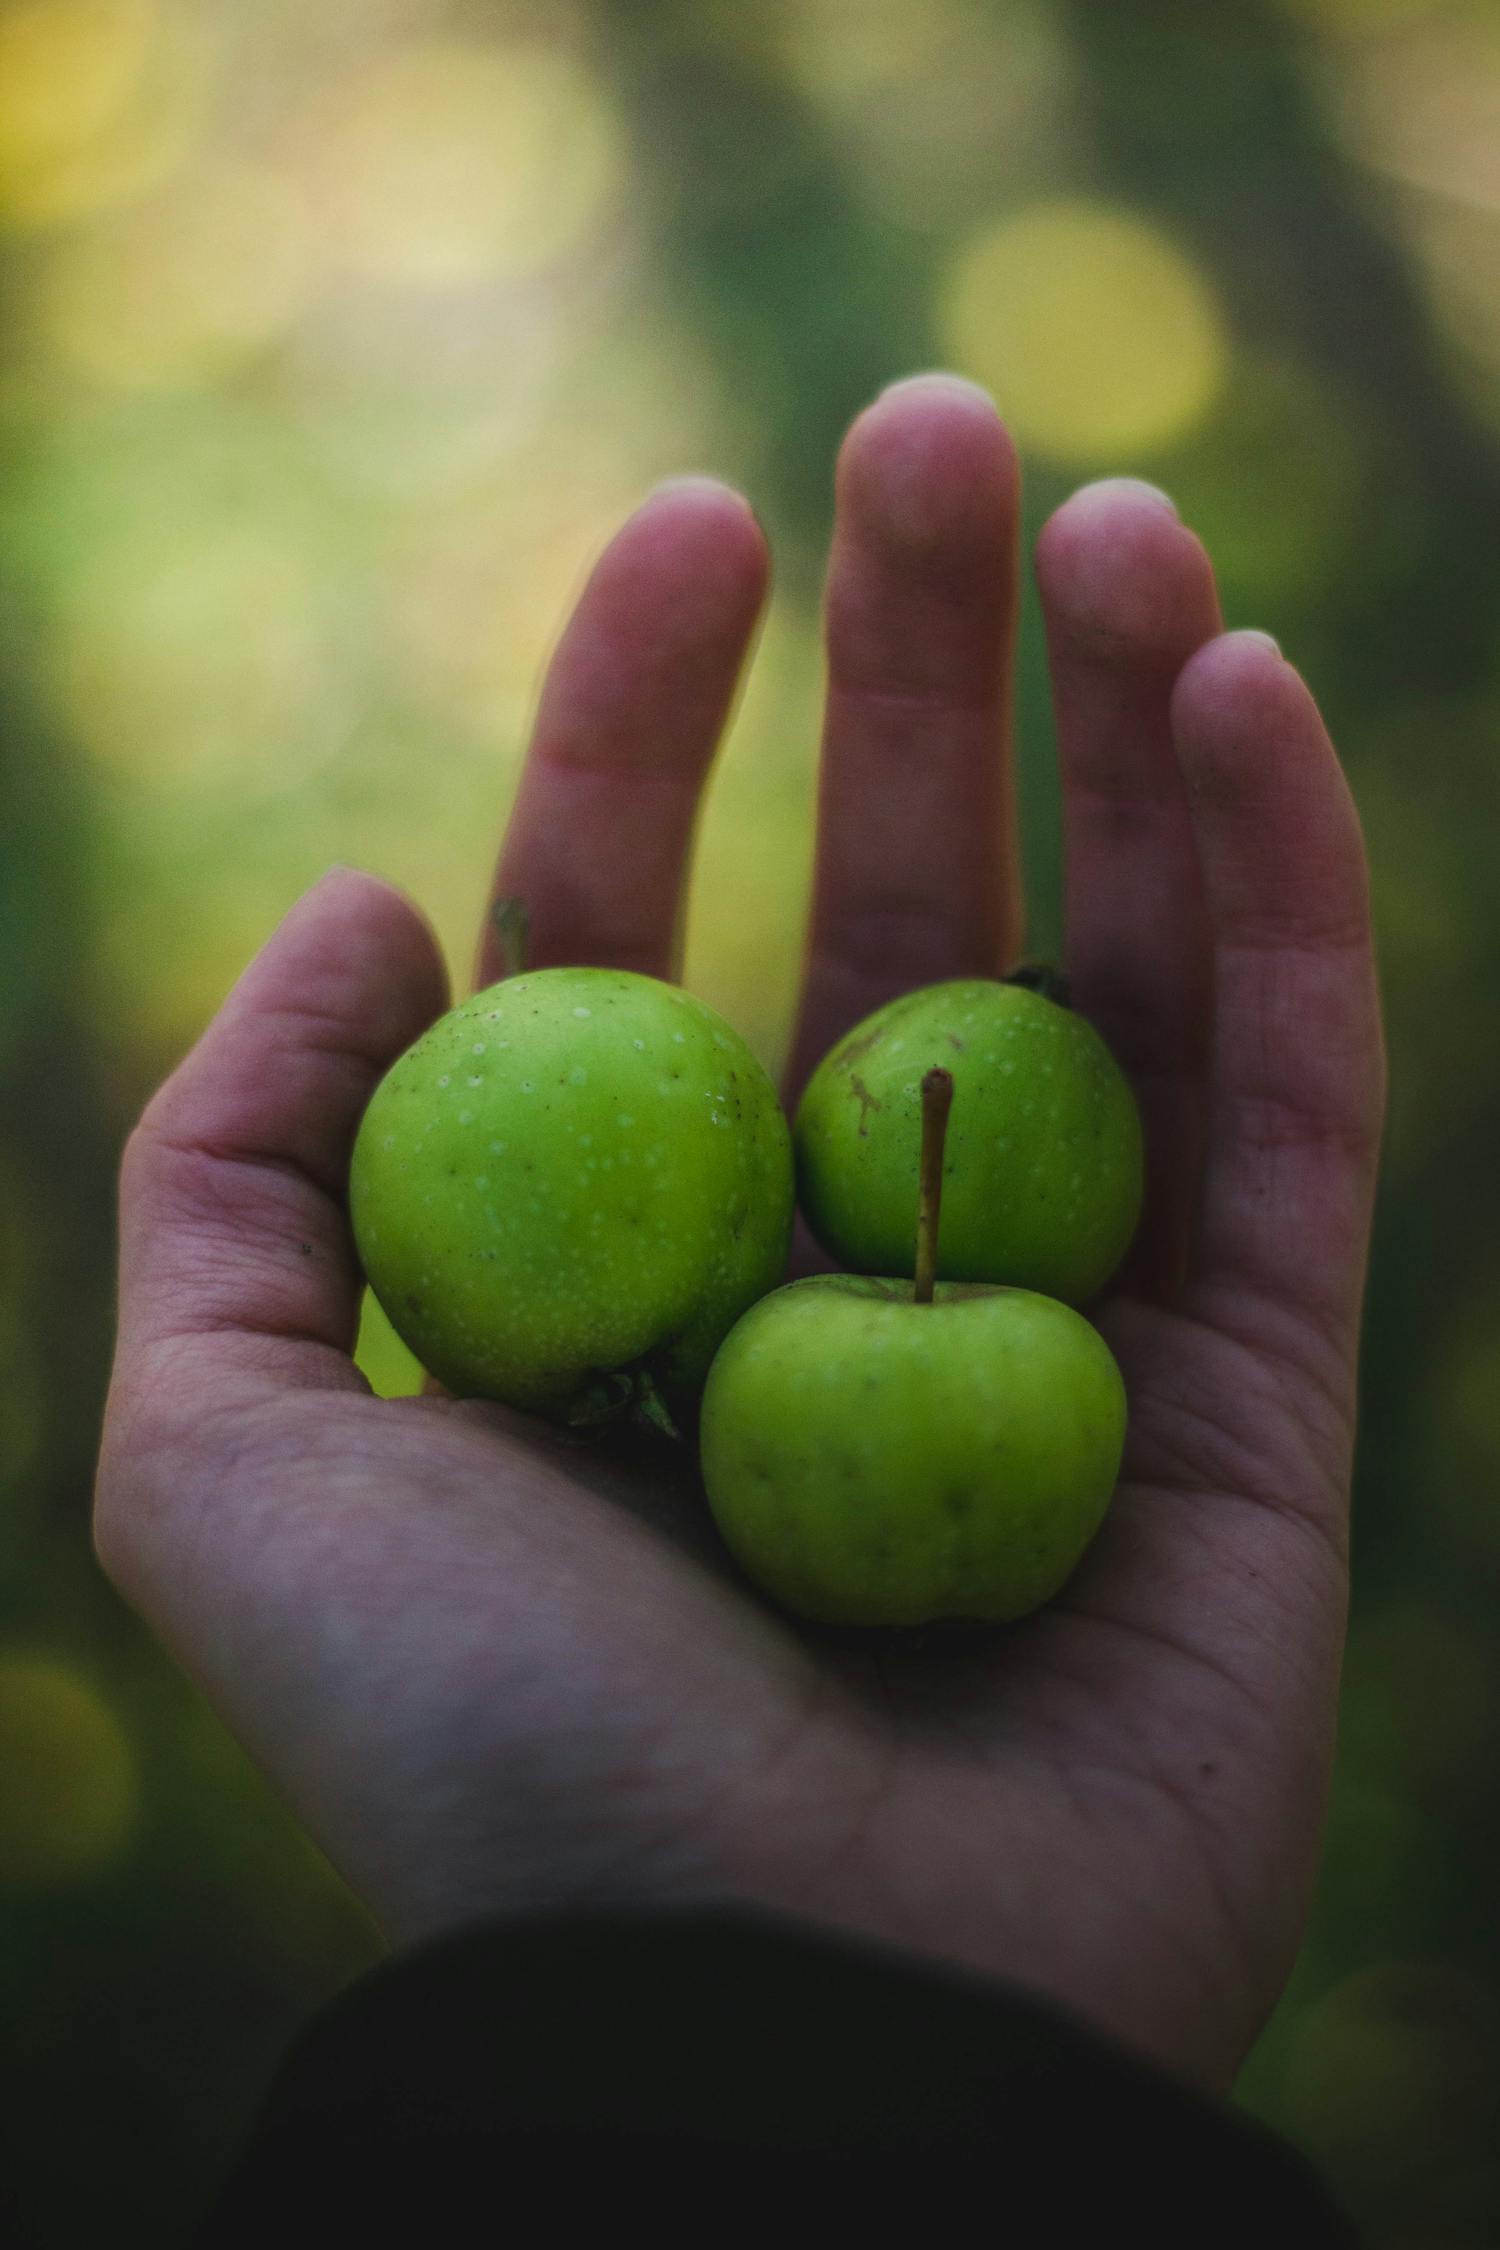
[575, 1173]
[1042, 1173]
[872, 1461]
[490, 1669]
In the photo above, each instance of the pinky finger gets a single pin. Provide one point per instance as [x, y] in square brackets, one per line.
[1297, 1070]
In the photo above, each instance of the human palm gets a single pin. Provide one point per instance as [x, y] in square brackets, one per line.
[494, 1667]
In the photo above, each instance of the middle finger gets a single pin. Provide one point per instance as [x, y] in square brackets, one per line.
[915, 878]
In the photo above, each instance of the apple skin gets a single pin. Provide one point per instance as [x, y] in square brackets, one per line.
[872, 1461]
[577, 1173]
[1042, 1175]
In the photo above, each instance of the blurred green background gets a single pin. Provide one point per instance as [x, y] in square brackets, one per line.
[333, 341]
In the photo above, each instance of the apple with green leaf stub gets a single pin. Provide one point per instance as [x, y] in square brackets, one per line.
[569, 1189]
[1043, 1172]
[881, 1452]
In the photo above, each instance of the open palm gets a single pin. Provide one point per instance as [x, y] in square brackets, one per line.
[493, 1667]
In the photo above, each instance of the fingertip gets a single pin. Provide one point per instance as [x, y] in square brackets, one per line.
[702, 531]
[929, 466]
[1113, 494]
[699, 493]
[1236, 690]
[937, 385]
[360, 946]
[1118, 569]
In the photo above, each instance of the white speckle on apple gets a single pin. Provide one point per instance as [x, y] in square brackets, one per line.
[583, 1011]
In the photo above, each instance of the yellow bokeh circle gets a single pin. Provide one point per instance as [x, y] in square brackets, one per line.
[100, 101]
[67, 69]
[179, 291]
[445, 163]
[1097, 333]
[67, 1774]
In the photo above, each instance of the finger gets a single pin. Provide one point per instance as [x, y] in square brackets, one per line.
[236, 1262]
[1128, 596]
[634, 703]
[915, 878]
[1297, 1077]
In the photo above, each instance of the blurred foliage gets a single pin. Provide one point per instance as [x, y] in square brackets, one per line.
[334, 342]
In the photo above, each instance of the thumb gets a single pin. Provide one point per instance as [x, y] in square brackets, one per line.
[237, 1268]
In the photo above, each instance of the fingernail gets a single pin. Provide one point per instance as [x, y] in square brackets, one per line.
[1266, 640]
[941, 378]
[1136, 485]
[704, 484]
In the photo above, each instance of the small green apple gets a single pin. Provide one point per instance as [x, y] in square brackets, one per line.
[1043, 1173]
[569, 1189]
[874, 1461]
[880, 1452]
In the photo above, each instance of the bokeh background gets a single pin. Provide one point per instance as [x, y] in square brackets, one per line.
[334, 339]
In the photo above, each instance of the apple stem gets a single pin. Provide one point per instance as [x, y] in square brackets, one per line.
[511, 924]
[937, 1100]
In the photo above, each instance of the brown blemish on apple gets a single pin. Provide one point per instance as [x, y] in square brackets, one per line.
[867, 1101]
[955, 1042]
[856, 1047]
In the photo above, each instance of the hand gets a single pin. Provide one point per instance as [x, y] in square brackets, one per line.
[491, 1668]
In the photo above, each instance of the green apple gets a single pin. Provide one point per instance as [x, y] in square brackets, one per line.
[882, 1452]
[871, 1460]
[1043, 1174]
[567, 1192]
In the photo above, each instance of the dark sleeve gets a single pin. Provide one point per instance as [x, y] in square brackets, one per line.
[698, 2072]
